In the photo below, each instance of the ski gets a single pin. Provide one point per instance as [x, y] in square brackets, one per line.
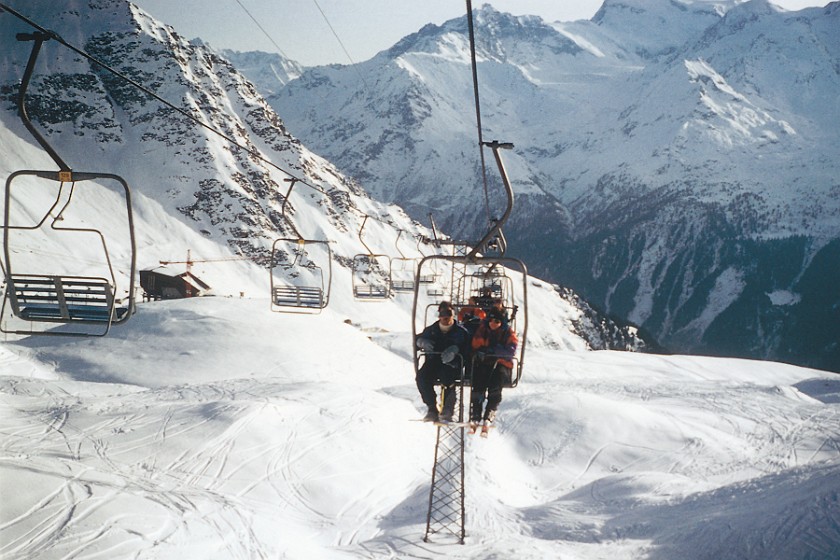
[474, 428]
[453, 424]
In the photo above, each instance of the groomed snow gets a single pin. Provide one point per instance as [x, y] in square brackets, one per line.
[214, 428]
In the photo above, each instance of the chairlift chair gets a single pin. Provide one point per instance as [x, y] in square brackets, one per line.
[432, 276]
[487, 284]
[62, 289]
[467, 264]
[402, 274]
[371, 273]
[516, 299]
[371, 277]
[403, 270]
[303, 287]
[440, 272]
[43, 291]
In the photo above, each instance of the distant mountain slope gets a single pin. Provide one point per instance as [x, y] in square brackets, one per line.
[193, 190]
[268, 72]
[675, 162]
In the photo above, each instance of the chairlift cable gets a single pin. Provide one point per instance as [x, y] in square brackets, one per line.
[340, 42]
[261, 28]
[478, 107]
[268, 36]
[55, 36]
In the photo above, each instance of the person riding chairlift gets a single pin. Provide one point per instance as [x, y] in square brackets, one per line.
[494, 346]
[445, 343]
[471, 316]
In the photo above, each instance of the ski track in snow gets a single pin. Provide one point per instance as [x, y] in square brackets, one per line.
[596, 455]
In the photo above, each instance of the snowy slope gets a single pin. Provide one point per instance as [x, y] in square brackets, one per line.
[662, 149]
[214, 428]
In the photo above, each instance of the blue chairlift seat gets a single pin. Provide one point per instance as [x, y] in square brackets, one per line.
[298, 296]
[371, 291]
[64, 299]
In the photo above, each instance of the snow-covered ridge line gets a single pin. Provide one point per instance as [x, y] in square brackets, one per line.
[631, 130]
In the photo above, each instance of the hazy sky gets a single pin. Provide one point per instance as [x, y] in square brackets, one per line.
[364, 27]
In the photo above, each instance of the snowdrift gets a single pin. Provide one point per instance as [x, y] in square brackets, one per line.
[213, 428]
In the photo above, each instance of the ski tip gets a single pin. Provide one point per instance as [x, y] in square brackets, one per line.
[485, 429]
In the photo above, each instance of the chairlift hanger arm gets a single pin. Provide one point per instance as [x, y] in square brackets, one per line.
[435, 239]
[397, 244]
[364, 221]
[291, 181]
[38, 38]
[496, 228]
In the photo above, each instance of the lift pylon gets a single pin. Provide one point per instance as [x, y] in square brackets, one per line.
[446, 515]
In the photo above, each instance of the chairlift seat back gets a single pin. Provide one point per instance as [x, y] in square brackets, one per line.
[298, 296]
[371, 291]
[64, 299]
[403, 285]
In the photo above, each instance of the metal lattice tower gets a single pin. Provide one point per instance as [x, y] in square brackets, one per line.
[459, 270]
[446, 498]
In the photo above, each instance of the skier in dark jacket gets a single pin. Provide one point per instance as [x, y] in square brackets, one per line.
[494, 346]
[445, 344]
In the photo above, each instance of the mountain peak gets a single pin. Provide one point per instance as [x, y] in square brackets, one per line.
[498, 36]
[644, 8]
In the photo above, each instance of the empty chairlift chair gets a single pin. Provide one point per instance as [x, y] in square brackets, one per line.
[302, 285]
[371, 273]
[403, 270]
[56, 270]
[57, 266]
[298, 283]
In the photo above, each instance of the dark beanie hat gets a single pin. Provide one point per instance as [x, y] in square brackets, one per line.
[496, 313]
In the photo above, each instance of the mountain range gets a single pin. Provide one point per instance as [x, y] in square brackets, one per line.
[674, 162]
[210, 164]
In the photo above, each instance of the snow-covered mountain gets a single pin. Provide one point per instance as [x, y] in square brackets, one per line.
[214, 428]
[193, 192]
[675, 162]
[268, 71]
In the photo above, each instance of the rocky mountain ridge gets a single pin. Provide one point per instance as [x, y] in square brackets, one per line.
[194, 190]
[674, 162]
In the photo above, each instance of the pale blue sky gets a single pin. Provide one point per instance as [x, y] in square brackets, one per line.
[364, 27]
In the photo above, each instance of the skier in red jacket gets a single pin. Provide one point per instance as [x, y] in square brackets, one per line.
[494, 346]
